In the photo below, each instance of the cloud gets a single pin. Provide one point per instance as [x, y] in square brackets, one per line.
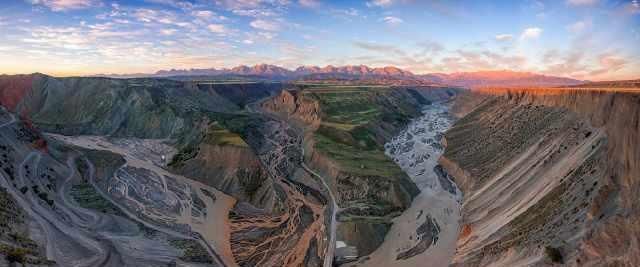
[167, 32]
[565, 64]
[255, 8]
[611, 61]
[309, 3]
[504, 37]
[380, 3]
[572, 66]
[267, 35]
[241, 4]
[531, 33]
[582, 2]
[217, 28]
[430, 47]
[380, 48]
[265, 25]
[64, 5]
[254, 12]
[392, 20]
[579, 26]
[158, 16]
[203, 14]
[632, 8]
[346, 14]
[7, 48]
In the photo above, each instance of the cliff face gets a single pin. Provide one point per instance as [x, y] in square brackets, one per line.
[466, 101]
[548, 176]
[234, 170]
[143, 108]
[242, 93]
[291, 106]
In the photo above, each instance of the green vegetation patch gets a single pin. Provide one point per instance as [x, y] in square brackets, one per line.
[355, 159]
[349, 134]
[22, 256]
[347, 106]
[88, 197]
[192, 250]
[225, 129]
[12, 230]
[184, 154]
[10, 212]
[217, 135]
[554, 254]
[235, 123]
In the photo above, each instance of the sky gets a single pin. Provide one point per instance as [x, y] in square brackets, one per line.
[584, 39]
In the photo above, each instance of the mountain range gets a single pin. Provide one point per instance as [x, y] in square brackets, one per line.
[387, 74]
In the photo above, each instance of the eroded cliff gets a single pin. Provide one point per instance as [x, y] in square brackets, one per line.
[549, 176]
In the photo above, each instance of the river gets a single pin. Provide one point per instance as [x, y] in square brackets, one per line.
[427, 231]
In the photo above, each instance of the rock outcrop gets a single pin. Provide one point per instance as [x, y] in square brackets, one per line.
[292, 106]
[234, 170]
[549, 176]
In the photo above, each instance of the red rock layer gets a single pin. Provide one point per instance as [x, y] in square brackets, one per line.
[13, 89]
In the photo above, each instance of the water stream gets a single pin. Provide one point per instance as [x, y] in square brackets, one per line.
[427, 231]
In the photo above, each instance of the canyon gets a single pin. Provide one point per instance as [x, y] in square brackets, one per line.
[318, 171]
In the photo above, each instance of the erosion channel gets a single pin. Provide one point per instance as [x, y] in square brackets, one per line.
[428, 229]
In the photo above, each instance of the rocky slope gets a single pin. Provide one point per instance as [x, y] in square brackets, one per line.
[294, 107]
[145, 108]
[549, 176]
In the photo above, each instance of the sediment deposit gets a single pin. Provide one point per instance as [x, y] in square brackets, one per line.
[427, 231]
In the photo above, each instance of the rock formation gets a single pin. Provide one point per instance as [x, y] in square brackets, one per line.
[548, 175]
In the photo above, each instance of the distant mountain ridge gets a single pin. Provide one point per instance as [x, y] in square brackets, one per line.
[272, 70]
[378, 75]
[501, 78]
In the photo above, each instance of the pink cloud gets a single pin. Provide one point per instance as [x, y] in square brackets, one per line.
[63, 5]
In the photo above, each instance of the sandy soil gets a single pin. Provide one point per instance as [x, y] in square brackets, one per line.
[211, 221]
[417, 150]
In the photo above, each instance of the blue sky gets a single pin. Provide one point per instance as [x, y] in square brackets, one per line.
[587, 39]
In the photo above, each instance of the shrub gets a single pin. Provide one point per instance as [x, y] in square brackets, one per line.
[554, 254]
[16, 255]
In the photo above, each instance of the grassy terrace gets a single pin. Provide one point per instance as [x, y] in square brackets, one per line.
[349, 112]
[357, 160]
[217, 135]
[347, 106]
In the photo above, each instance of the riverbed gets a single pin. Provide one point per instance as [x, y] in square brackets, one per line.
[427, 231]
